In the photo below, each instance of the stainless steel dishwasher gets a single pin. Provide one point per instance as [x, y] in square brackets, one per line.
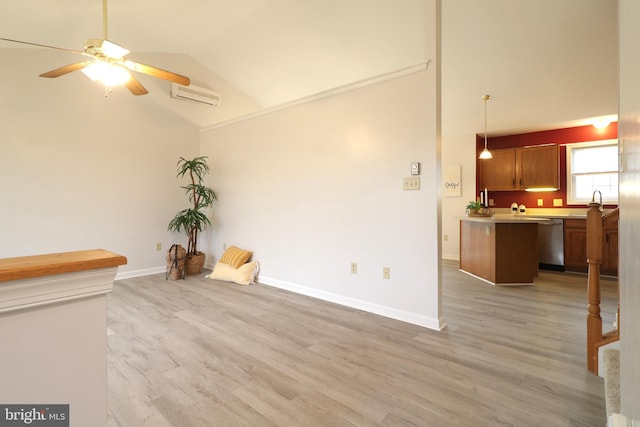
[551, 245]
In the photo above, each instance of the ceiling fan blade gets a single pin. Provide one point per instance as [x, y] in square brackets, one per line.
[66, 69]
[157, 72]
[42, 45]
[135, 87]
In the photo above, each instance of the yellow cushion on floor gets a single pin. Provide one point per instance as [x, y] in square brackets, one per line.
[235, 257]
[245, 275]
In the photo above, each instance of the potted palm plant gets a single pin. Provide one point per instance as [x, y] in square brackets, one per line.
[475, 208]
[194, 219]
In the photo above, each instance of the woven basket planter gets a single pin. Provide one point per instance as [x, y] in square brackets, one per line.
[176, 260]
[195, 263]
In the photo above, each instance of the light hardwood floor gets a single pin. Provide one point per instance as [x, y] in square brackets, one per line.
[207, 353]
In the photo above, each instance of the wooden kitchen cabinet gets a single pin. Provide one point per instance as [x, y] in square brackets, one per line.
[575, 247]
[521, 168]
[499, 173]
[502, 252]
[539, 167]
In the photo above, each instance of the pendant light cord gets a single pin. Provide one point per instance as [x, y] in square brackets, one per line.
[485, 98]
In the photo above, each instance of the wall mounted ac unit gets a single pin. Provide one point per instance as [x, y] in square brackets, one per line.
[195, 93]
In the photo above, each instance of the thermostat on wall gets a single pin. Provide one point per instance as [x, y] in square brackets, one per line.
[415, 168]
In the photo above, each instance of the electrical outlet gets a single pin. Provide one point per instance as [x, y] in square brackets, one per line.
[492, 202]
[445, 237]
[158, 246]
[386, 273]
[557, 202]
[354, 268]
[540, 202]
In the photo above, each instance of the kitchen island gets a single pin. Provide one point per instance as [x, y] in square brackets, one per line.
[501, 249]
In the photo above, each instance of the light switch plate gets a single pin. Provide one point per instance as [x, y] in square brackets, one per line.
[411, 183]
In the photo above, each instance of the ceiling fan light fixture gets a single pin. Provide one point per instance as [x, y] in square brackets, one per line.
[109, 74]
[113, 50]
[105, 47]
[108, 65]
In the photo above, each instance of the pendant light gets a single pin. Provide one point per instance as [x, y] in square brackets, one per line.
[486, 154]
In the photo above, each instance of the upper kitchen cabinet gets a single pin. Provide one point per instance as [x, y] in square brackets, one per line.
[521, 168]
[540, 167]
[499, 173]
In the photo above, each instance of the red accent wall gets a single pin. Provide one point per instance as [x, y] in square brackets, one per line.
[503, 199]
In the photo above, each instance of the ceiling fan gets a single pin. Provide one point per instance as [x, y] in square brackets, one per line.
[107, 63]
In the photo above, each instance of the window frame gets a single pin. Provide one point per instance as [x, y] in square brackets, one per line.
[571, 199]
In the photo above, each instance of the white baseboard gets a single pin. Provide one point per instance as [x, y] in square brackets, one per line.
[618, 420]
[393, 313]
[140, 273]
[149, 272]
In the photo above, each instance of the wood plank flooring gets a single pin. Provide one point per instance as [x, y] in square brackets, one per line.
[207, 353]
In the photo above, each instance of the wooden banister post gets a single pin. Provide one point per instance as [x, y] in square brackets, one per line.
[594, 258]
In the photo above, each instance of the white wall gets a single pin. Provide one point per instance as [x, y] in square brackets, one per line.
[312, 188]
[80, 171]
[458, 150]
[233, 103]
[629, 133]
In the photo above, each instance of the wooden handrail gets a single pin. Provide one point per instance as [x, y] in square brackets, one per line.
[595, 338]
[27, 267]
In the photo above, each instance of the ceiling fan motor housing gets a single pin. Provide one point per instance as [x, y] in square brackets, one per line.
[101, 47]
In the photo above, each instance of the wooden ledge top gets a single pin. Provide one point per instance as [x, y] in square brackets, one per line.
[27, 267]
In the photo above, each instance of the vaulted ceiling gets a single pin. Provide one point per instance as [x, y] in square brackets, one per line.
[545, 62]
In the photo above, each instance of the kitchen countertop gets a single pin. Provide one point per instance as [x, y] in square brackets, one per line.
[576, 213]
[564, 216]
[506, 218]
[504, 215]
